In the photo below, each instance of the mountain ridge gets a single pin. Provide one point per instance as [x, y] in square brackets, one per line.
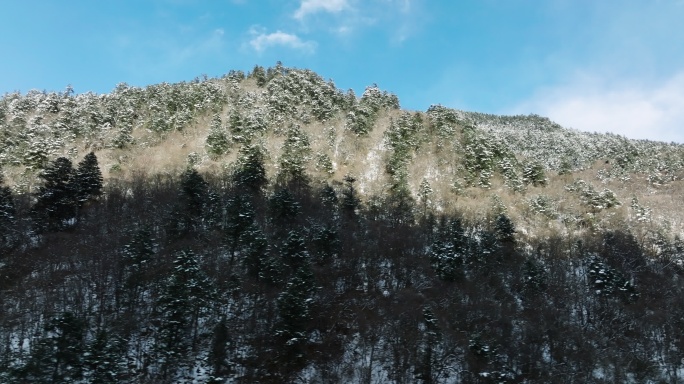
[269, 227]
[164, 128]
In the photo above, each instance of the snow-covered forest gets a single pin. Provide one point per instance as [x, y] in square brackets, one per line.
[271, 228]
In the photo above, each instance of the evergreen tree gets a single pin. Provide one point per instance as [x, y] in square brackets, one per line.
[425, 193]
[295, 156]
[254, 247]
[194, 192]
[125, 136]
[239, 216]
[505, 231]
[283, 206]
[295, 313]
[565, 168]
[360, 119]
[271, 269]
[103, 359]
[457, 234]
[137, 260]
[251, 173]
[325, 242]
[259, 74]
[7, 216]
[446, 260]
[188, 215]
[88, 178]
[58, 357]
[57, 198]
[187, 295]
[401, 203]
[425, 369]
[237, 127]
[218, 355]
[350, 198]
[293, 251]
[534, 275]
[608, 281]
[533, 173]
[217, 142]
[485, 252]
[328, 196]
[402, 139]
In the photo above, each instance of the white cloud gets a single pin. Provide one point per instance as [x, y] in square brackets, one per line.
[399, 18]
[314, 6]
[637, 111]
[261, 41]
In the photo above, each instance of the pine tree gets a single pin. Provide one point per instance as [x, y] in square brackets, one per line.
[239, 216]
[565, 168]
[217, 141]
[194, 198]
[271, 269]
[237, 127]
[296, 154]
[103, 359]
[328, 196]
[57, 198]
[259, 74]
[446, 260]
[283, 206]
[7, 216]
[401, 202]
[534, 275]
[58, 357]
[505, 231]
[187, 295]
[254, 247]
[425, 370]
[194, 192]
[88, 178]
[350, 199]
[125, 136]
[293, 251]
[486, 251]
[251, 173]
[533, 173]
[608, 281]
[137, 260]
[295, 312]
[325, 242]
[425, 193]
[218, 355]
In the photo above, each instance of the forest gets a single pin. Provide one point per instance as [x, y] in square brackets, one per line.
[289, 232]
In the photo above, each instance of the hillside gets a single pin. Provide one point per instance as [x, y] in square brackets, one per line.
[466, 158]
[271, 227]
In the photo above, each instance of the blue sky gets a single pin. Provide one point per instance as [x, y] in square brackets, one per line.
[595, 65]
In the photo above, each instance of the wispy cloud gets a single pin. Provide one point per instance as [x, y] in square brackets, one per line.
[315, 6]
[210, 44]
[638, 111]
[403, 6]
[162, 51]
[401, 18]
[346, 18]
[261, 41]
